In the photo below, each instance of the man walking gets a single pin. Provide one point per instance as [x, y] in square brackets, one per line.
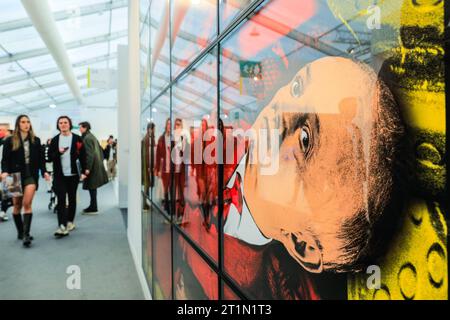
[110, 154]
[96, 175]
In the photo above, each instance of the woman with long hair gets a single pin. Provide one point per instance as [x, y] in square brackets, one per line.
[22, 154]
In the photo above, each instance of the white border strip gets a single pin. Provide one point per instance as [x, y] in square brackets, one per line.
[140, 272]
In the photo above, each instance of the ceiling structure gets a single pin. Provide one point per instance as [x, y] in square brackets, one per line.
[30, 79]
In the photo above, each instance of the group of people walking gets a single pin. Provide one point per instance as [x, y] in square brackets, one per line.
[75, 158]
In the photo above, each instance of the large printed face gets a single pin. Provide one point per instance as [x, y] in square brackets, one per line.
[325, 116]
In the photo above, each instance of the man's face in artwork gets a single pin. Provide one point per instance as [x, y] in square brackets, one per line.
[325, 116]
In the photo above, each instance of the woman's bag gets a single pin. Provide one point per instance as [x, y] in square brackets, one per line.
[12, 186]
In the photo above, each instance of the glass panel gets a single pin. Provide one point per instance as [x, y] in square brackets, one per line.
[145, 62]
[5, 102]
[11, 10]
[229, 9]
[64, 97]
[160, 46]
[84, 27]
[71, 5]
[147, 159]
[147, 250]
[193, 278]
[10, 70]
[40, 103]
[57, 90]
[330, 93]
[195, 120]
[21, 40]
[87, 52]
[38, 63]
[34, 95]
[162, 260]
[115, 43]
[17, 86]
[57, 76]
[194, 25]
[228, 293]
[148, 148]
[119, 19]
[144, 6]
[160, 115]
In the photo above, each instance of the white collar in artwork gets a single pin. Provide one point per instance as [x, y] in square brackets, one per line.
[242, 226]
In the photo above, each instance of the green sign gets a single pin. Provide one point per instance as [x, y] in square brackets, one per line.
[250, 69]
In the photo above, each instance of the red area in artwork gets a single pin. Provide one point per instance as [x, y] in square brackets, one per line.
[272, 23]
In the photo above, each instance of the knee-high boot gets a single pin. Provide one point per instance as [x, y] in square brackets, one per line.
[27, 217]
[19, 225]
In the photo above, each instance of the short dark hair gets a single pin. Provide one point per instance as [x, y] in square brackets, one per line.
[64, 117]
[150, 125]
[85, 124]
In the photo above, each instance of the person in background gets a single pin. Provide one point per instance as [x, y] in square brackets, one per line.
[22, 154]
[66, 149]
[148, 162]
[163, 163]
[48, 162]
[5, 204]
[95, 172]
[181, 145]
[110, 155]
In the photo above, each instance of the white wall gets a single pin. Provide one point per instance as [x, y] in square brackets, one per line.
[123, 151]
[130, 104]
[100, 111]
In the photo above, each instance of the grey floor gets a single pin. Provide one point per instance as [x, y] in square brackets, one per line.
[99, 247]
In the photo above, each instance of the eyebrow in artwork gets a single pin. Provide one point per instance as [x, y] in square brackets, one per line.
[296, 121]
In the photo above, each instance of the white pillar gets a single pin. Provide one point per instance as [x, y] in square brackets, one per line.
[134, 163]
[123, 134]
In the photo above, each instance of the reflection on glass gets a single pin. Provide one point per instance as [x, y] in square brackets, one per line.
[193, 27]
[160, 46]
[148, 147]
[195, 180]
[162, 163]
[193, 278]
[228, 293]
[144, 51]
[147, 249]
[229, 9]
[162, 261]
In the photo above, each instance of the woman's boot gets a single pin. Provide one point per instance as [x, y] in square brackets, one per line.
[19, 225]
[27, 217]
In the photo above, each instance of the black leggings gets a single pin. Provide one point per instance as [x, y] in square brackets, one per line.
[67, 186]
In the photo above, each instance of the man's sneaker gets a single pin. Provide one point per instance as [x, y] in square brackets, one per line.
[61, 232]
[70, 226]
[3, 216]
